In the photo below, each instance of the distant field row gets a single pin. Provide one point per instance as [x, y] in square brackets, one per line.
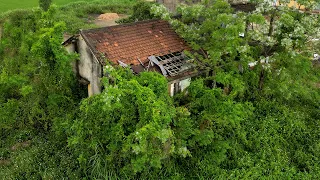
[6, 5]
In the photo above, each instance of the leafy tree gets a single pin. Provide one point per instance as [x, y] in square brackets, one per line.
[213, 31]
[280, 83]
[36, 76]
[45, 4]
[128, 125]
[141, 11]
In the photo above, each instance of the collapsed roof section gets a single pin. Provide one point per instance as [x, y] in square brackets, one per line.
[172, 64]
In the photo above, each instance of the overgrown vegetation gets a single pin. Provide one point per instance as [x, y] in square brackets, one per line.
[236, 122]
[141, 11]
[9, 5]
[45, 4]
[79, 15]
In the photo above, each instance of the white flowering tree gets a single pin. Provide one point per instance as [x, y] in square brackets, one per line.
[229, 42]
[263, 61]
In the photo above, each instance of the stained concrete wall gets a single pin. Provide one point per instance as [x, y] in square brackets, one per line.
[238, 1]
[172, 4]
[171, 89]
[71, 48]
[178, 86]
[184, 84]
[89, 67]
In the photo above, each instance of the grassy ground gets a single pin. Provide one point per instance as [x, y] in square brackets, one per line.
[78, 14]
[6, 5]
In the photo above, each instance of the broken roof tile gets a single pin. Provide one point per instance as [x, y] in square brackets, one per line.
[130, 41]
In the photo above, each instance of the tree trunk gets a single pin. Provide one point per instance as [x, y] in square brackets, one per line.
[271, 23]
[247, 27]
[0, 32]
[261, 79]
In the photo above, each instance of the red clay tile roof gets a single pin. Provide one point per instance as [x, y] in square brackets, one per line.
[128, 42]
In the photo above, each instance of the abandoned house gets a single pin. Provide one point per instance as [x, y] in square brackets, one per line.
[141, 46]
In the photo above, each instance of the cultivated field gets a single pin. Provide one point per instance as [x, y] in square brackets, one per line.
[6, 5]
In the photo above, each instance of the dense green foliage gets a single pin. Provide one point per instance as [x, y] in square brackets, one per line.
[8, 5]
[234, 122]
[280, 137]
[45, 4]
[80, 15]
[37, 85]
[38, 89]
[141, 11]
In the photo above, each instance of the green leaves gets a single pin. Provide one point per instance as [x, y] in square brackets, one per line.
[235, 122]
[25, 90]
[129, 121]
[45, 4]
[35, 70]
[141, 11]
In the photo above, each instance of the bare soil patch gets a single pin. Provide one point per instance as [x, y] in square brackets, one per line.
[108, 19]
[5, 162]
[21, 145]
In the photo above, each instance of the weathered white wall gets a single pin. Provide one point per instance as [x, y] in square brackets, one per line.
[172, 4]
[171, 89]
[238, 1]
[89, 67]
[184, 83]
[71, 48]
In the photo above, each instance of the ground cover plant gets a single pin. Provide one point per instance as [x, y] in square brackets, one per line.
[234, 122]
[6, 5]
